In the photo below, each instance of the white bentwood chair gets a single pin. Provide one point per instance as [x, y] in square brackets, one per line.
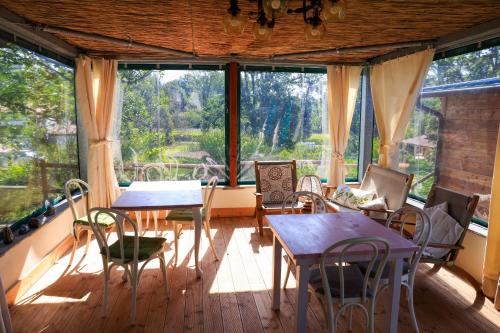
[80, 214]
[127, 252]
[397, 222]
[344, 284]
[294, 204]
[181, 216]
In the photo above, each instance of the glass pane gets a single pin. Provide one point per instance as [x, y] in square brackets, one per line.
[283, 117]
[38, 149]
[176, 117]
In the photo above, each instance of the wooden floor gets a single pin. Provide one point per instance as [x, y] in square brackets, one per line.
[233, 296]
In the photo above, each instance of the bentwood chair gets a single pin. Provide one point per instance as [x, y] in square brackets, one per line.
[157, 172]
[344, 284]
[398, 221]
[81, 213]
[274, 181]
[182, 216]
[293, 204]
[127, 252]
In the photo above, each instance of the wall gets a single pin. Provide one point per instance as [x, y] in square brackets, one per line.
[24, 256]
[472, 257]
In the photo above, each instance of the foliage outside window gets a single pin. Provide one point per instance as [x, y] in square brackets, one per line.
[283, 116]
[176, 117]
[452, 133]
[38, 146]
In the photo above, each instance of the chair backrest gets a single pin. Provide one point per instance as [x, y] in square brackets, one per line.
[293, 202]
[70, 187]
[120, 219]
[379, 251]
[397, 221]
[390, 184]
[460, 206]
[209, 196]
[310, 183]
[156, 172]
[276, 180]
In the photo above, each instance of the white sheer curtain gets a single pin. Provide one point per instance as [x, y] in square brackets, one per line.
[395, 86]
[95, 82]
[343, 83]
[5, 323]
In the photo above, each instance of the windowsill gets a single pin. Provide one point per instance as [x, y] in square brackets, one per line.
[473, 227]
[59, 208]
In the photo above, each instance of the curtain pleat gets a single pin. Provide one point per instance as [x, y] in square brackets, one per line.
[343, 83]
[95, 91]
[395, 87]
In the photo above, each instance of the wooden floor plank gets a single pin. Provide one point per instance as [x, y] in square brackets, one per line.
[234, 294]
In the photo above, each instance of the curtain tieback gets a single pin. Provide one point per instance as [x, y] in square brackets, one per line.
[98, 143]
[387, 148]
[338, 156]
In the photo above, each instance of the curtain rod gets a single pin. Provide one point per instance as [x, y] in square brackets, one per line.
[101, 38]
[351, 49]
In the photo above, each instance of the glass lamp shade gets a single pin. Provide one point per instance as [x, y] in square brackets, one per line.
[333, 11]
[314, 32]
[262, 32]
[234, 24]
[278, 7]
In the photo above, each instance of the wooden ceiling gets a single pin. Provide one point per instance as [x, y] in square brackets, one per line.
[196, 26]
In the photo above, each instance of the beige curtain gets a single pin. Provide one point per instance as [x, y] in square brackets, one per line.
[95, 93]
[343, 83]
[5, 323]
[491, 269]
[395, 86]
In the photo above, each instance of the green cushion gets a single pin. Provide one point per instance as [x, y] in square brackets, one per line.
[147, 247]
[183, 215]
[104, 220]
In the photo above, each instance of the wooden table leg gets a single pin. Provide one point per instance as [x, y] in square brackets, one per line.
[396, 269]
[197, 236]
[302, 275]
[138, 218]
[276, 273]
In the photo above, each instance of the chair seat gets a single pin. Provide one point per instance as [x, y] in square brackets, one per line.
[353, 282]
[104, 220]
[183, 215]
[363, 266]
[339, 208]
[147, 247]
[279, 205]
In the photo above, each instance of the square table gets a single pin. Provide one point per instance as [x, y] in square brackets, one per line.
[165, 195]
[304, 237]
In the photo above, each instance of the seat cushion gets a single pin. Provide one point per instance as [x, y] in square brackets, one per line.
[104, 220]
[279, 205]
[339, 208]
[183, 215]
[363, 266]
[353, 281]
[276, 182]
[147, 247]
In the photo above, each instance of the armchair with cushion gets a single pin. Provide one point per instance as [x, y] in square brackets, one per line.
[461, 208]
[274, 181]
[385, 183]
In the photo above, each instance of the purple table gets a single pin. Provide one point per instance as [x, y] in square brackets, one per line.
[305, 237]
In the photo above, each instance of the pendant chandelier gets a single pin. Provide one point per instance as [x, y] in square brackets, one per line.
[315, 14]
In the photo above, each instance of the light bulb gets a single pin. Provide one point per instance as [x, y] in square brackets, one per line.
[234, 24]
[333, 11]
[262, 32]
[314, 32]
[275, 4]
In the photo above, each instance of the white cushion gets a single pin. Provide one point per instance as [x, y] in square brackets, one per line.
[351, 197]
[429, 210]
[445, 230]
[378, 203]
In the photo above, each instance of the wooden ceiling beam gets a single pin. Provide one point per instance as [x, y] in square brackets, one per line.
[19, 27]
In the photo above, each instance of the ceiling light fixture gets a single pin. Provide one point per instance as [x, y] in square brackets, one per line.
[263, 28]
[234, 21]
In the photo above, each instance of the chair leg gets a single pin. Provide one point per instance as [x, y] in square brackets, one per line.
[350, 318]
[135, 282]
[259, 221]
[106, 281]
[288, 271]
[147, 220]
[89, 236]
[164, 272]
[209, 236]
[76, 233]
[411, 307]
[155, 218]
[176, 242]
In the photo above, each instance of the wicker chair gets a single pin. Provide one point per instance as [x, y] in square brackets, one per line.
[274, 182]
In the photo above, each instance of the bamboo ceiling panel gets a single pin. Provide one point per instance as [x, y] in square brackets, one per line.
[196, 25]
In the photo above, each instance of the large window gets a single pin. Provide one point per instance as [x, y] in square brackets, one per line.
[283, 116]
[452, 133]
[38, 148]
[176, 117]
